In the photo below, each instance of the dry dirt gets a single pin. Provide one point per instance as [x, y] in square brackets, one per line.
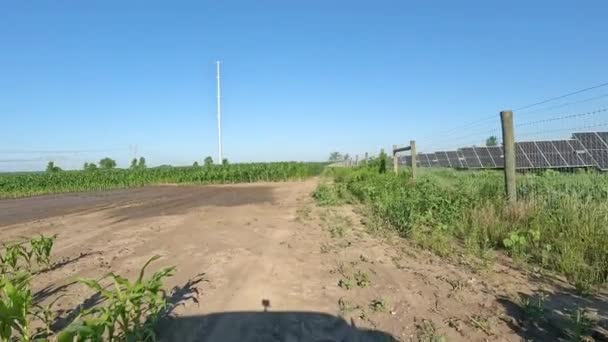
[261, 262]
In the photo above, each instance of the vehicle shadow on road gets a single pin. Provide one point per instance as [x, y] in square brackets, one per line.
[553, 316]
[243, 326]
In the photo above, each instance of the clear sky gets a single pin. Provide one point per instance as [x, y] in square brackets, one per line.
[299, 78]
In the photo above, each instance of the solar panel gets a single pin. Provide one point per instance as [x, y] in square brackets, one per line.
[433, 159]
[497, 155]
[521, 159]
[582, 153]
[453, 159]
[568, 153]
[603, 136]
[484, 157]
[462, 159]
[423, 160]
[407, 160]
[533, 154]
[470, 157]
[596, 146]
[551, 154]
[442, 158]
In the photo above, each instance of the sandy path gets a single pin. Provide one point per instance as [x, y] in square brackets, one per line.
[267, 264]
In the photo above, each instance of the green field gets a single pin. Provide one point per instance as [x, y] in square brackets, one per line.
[560, 222]
[20, 185]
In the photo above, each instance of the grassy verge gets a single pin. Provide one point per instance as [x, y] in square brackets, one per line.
[560, 222]
[28, 184]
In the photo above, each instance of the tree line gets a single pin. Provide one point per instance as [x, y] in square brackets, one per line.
[108, 163]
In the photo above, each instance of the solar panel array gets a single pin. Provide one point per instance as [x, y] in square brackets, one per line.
[585, 149]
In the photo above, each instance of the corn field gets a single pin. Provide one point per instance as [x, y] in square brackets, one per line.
[28, 184]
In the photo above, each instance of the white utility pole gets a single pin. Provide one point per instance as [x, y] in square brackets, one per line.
[219, 117]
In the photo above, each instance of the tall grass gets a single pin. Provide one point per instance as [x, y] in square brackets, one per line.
[560, 221]
[19, 185]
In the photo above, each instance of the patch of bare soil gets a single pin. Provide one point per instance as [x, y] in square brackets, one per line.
[261, 262]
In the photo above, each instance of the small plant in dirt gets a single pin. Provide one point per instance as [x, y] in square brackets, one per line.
[362, 279]
[131, 309]
[426, 331]
[580, 325]
[336, 231]
[345, 283]
[21, 318]
[345, 306]
[41, 248]
[482, 323]
[325, 248]
[303, 213]
[325, 195]
[533, 307]
[378, 305]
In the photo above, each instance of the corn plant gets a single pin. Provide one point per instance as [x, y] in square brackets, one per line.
[18, 310]
[12, 256]
[28, 184]
[41, 249]
[132, 309]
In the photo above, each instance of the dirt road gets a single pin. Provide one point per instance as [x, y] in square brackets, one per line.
[267, 264]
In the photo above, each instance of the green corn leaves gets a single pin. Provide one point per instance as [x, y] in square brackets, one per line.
[130, 312]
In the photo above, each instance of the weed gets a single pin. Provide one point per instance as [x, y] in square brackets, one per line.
[533, 307]
[426, 331]
[378, 305]
[325, 196]
[558, 223]
[346, 307]
[362, 279]
[336, 231]
[580, 324]
[482, 323]
[325, 248]
[303, 213]
[345, 283]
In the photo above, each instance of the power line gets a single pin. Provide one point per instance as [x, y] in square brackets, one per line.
[562, 96]
[59, 151]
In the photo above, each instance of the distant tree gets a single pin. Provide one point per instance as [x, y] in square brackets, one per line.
[90, 166]
[208, 161]
[335, 157]
[346, 157]
[86, 166]
[491, 141]
[195, 164]
[142, 163]
[382, 161]
[225, 161]
[107, 163]
[50, 167]
[133, 163]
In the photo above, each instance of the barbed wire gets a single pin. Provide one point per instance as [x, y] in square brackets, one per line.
[560, 97]
[570, 116]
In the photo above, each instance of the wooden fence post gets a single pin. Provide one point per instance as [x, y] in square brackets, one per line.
[508, 141]
[413, 159]
[395, 160]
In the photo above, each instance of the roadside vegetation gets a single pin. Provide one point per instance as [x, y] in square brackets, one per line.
[129, 310]
[107, 177]
[558, 224]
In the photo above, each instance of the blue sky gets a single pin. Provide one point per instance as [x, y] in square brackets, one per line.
[299, 78]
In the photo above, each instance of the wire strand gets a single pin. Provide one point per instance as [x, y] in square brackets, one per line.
[562, 96]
